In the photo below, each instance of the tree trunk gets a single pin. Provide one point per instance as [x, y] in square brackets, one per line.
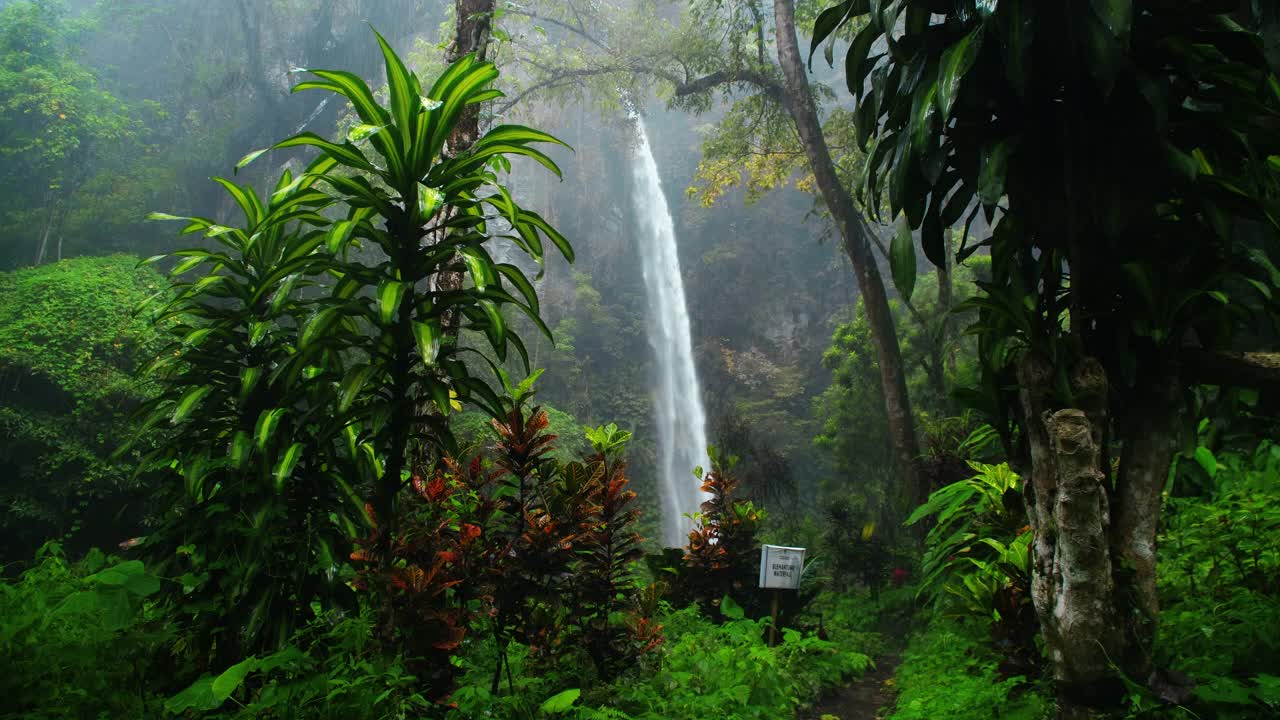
[49, 222]
[1094, 551]
[471, 35]
[853, 230]
[1150, 440]
[946, 300]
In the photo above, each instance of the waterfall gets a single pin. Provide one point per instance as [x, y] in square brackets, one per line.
[681, 420]
[310, 118]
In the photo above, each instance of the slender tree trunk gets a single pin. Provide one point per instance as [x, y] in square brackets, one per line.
[471, 35]
[946, 300]
[50, 220]
[1150, 440]
[854, 232]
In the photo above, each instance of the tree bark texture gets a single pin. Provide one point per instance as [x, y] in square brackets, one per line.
[471, 35]
[1094, 548]
[1150, 440]
[798, 100]
[1067, 503]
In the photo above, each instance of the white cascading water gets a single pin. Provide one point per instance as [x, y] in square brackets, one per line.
[681, 420]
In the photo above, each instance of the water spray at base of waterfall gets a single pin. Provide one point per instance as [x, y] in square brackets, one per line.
[677, 398]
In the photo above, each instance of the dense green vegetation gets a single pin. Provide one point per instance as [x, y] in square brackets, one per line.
[373, 436]
[70, 349]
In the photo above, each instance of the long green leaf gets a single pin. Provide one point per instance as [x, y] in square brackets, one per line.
[241, 449]
[956, 62]
[828, 22]
[245, 198]
[266, 426]
[287, 463]
[902, 259]
[189, 402]
[496, 328]
[390, 293]
[352, 384]
[428, 337]
[318, 326]
[248, 158]
[403, 91]
[346, 154]
[517, 277]
[480, 265]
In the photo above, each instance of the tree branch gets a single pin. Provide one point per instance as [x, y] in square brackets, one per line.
[1238, 369]
[745, 76]
[576, 30]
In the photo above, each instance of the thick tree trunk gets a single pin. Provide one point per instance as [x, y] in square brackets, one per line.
[1073, 586]
[854, 232]
[471, 35]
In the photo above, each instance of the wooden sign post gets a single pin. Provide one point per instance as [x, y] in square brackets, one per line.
[780, 569]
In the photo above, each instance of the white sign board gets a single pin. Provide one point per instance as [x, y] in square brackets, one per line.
[780, 567]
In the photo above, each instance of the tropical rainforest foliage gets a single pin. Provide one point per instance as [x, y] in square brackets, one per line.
[340, 404]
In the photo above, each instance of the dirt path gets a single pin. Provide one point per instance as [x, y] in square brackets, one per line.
[862, 700]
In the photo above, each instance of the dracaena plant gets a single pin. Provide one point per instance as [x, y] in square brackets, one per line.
[428, 212]
[260, 507]
[287, 404]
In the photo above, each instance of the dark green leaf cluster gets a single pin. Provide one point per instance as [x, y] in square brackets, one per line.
[1122, 151]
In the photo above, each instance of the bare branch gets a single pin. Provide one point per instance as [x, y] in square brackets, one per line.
[578, 30]
[743, 76]
[1238, 369]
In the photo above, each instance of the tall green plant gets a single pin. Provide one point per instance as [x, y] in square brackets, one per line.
[261, 512]
[293, 382]
[429, 213]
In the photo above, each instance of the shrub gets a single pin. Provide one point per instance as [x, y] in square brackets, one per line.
[722, 557]
[1220, 597]
[77, 639]
[949, 671]
[69, 349]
